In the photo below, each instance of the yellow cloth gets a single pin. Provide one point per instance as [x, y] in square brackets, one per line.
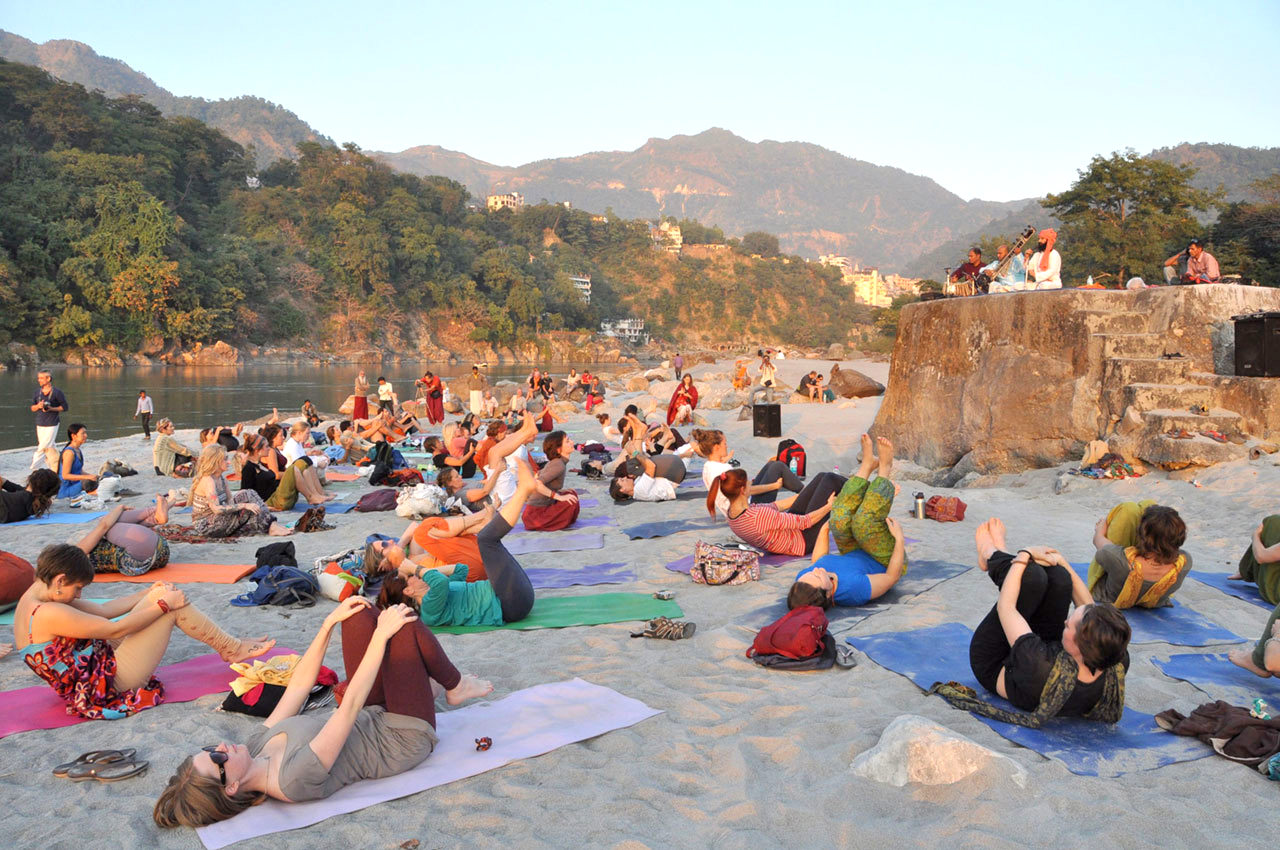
[1122, 530]
[1133, 583]
[273, 671]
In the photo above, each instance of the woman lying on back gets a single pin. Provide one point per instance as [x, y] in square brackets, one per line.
[791, 527]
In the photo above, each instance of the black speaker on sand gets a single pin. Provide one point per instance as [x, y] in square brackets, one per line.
[766, 420]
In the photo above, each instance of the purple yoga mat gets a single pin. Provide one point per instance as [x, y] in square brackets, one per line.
[549, 577]
[580, 522]
[528, 544]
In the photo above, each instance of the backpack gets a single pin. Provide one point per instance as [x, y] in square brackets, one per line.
[378, 500]
[714, 564]
[789, 450]
[280, 585]
[381, 460]
[945, 509]
[797, 634]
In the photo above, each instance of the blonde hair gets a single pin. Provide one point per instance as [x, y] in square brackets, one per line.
[207, 465]
[191, 799]
[164, 423]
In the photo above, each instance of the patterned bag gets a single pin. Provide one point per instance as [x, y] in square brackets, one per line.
[945, 509]
[716, 564]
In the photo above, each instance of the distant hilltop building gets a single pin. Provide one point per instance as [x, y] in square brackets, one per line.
[869, 287]
[513, 201]
[582, 283]
[632, 330]
[835, 261]
[667, 237]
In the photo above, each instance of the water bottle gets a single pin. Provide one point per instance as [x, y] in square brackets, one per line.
[795, 466]
[1261, 710]
[919, 511]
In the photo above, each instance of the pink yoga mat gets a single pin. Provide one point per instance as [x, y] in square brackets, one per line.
[40, 708]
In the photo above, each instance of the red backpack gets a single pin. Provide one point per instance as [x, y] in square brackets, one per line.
[788, 450]
[798, 634]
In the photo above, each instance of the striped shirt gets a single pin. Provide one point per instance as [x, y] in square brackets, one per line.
[766, 527]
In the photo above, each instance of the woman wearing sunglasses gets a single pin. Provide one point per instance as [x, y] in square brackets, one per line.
[385, 725]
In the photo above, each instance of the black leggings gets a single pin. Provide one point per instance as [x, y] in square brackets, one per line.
[773, 471]
[510, 583]
[412, 659]
[1043, 600]
[821, 487]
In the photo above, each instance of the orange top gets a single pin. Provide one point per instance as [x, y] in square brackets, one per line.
[482, 451]
[462, 549]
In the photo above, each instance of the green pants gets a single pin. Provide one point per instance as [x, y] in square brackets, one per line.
[1260, 650]
[1265, 576]
[1122, 530]
[286, 494]
[857, 518]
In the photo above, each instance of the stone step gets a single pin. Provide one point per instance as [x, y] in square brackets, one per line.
[1160, 421]
[1179, 454]
[1105, 322]
[1132, 345]
[1119, 371]
[1155, 396]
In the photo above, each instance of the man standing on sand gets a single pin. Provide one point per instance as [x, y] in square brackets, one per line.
[677, 363]
[145, 409]
[47, 404]
[476, 384]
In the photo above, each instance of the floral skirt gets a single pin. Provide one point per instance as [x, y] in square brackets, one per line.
[237, 523]
[107, 557]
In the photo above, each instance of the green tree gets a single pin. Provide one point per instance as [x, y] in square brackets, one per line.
[1247, 235]
[756, 242]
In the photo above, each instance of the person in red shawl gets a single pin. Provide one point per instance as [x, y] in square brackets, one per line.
[433, 389]
[683, 402]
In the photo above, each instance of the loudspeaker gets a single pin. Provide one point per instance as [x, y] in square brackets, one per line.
[766, 420]
[1258, 345]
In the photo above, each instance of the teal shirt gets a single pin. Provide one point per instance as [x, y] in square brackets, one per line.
[453, 601]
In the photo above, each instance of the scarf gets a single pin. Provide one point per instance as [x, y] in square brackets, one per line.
[1128, 596]
[1049, 235]
[1058, 688]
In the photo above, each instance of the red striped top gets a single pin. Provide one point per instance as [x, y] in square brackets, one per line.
[766, 527]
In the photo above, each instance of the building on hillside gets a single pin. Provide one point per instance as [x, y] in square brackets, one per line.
[899, 285]
[835, 261]
[600, 219]
[513, 201]
[632, 330]
[582, 283]
[868, 286]
[667, 237]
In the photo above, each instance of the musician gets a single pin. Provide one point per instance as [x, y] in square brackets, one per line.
[1044, 271]
[1014, 277]
[970, 270]
[1201, 265]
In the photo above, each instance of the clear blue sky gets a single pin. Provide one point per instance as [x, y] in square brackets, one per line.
[993, 100]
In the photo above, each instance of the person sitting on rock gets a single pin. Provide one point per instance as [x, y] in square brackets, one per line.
[1029, 651]
[1202, 267]
[824, 393]
[1139, 560]
[684, 400]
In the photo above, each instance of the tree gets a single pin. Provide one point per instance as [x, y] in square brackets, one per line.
[756, 242]
[1125, 215]
[1247, 235]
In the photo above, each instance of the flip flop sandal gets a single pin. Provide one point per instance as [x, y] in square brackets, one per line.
[94, 757]
[115, 771]
[1216, 436]
[845, 656]
[1179, 434]
[665, 628]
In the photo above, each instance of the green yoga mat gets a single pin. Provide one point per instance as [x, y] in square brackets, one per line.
[561, 611]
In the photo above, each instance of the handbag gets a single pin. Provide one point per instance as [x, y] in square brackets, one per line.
[715, 564]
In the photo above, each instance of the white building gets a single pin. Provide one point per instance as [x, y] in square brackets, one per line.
[582, 283]
[513, 201]
[632, 330]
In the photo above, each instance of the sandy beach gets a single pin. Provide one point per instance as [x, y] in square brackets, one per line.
[741, 756]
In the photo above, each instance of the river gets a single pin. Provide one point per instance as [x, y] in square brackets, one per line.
[198, 396]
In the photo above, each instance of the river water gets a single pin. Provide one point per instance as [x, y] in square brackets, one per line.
[199, 396]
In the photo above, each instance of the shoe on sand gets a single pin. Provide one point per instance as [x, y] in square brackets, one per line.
[664, 628]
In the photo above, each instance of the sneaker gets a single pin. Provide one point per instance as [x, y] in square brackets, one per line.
[664, 628]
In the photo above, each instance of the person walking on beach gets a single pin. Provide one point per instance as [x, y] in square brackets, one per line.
[48, 404]
[677, 363]
[476, 384]
[145, 410]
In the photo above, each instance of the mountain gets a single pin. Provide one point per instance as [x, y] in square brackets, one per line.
[817, 201]
[272, 130]
[1229, 166]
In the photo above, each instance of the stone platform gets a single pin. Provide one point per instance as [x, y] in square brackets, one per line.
[1002, 383]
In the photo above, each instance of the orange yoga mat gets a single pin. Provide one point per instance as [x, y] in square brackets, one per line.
[186, 573]
[341, 476]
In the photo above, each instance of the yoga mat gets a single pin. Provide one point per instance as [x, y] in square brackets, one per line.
[667, 527]
[1178, 625]
[532, 542]
[526, 724]
[691, 482]
[544, 578]
[343, 469]
[1246, 590]
[63, 518]
[1087, 748]
[329, 507]
[580, 522]
[560, 611]
[330, 475]
[185, 573]
[1214, 675]
[40, 708]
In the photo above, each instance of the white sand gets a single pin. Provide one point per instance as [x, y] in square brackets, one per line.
[742, 757]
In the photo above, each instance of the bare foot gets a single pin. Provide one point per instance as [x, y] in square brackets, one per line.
[525, 482]
[1244, 658]
[868, 460]
[249, 648]
[469, 687]
[278, 530]
[998, 533]
[1235, 577]
[885, 450]
[162, 509]
[986, 548]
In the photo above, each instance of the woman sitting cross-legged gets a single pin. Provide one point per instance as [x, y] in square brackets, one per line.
[1139, 561]
[790, 527]
[871, 555]
[1029, 651]
[101, 658]
[552, 507]
[216, 512]
[441, 593]
[169, 456]
[71, 464]
[384, 726]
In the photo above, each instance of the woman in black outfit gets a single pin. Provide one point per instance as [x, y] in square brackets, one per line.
[18, 503]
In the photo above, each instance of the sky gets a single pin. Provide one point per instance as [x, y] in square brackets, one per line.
[993, 100]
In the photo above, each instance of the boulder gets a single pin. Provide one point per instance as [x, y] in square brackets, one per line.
[731, 400]
[218, 354]
[916, 750]
[850, 383]
[565, 408]
[662, 390]
[638, 384]
[659, 374]
[504, 390]
[835, 351]
[453, 405]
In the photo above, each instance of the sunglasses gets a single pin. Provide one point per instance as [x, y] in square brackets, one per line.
[219, 758]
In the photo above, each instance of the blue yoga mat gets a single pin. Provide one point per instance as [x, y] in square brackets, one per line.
[533, 542]
[1087, 748]
[667, 527]
[329, 507]
[64, 518]
[1178, 625]
[1248, 591]
[1217, 677]
[580, 522]
[551, 577]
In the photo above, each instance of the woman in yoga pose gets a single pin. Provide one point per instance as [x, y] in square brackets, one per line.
[384, 726]
[552, 508]
[216, 512]
[1139, 560]
[124, 541]
[101, 657]
[1261, 564]
[790, 527]
[168, 455]
[18, 503]
[1029, 651]
[871, 554]
[772, 477]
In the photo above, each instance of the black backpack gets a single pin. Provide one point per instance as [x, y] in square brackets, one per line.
[382, 463]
